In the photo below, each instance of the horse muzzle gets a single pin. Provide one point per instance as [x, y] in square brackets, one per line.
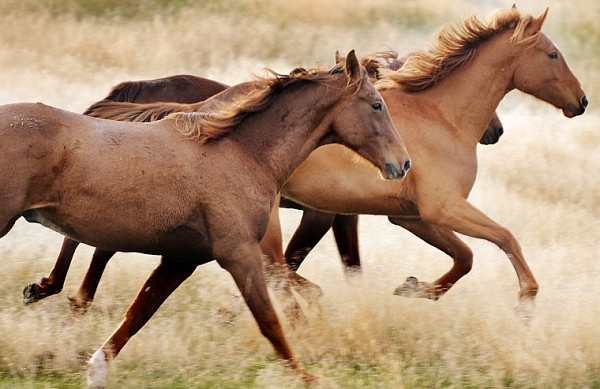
[393, 172]
[572, 110]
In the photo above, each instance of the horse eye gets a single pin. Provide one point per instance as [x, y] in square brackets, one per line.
[553, 55]
[377, 106]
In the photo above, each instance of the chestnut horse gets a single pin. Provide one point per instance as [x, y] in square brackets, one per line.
[182, 88]
[438, 103]
[213, 177]
[185, 89]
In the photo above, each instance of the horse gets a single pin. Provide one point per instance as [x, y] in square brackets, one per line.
[191, 89]
[181, 88]
[440, 100]
[193, 187]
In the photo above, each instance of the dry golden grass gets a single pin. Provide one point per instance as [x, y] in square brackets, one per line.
[540, 181]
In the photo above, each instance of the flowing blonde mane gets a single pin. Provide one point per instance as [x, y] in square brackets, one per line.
[223, 116]
[456, 44]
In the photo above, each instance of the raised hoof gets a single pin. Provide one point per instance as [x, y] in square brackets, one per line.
[412, 288]
[32, 293]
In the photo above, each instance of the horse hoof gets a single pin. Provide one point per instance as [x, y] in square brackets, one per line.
[32, 293]
[524, 310]
[77, 307]
[408, 288]
[412, 288]
[97, 370]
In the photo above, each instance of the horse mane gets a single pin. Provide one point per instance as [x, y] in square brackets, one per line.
[375, 61]
[135, 112]
[125, 91]
[455, 46]
[225, 115]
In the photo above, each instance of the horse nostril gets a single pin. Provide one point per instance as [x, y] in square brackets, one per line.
[407, 165]
[500, 131]
[584, 102]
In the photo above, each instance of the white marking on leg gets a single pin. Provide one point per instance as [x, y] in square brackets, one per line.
[97, 371]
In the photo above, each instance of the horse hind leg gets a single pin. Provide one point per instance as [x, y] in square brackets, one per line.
[345, 231]
[54, 281]
[445, 240]
[87, 290]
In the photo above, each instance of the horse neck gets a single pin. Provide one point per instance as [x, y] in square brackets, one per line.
[294, 124]
[471, 94]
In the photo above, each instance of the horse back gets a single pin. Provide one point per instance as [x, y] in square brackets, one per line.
[182, 88]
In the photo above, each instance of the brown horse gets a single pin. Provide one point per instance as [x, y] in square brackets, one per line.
[441, 133]
[185, 89]
[182, 88]
[192, 187]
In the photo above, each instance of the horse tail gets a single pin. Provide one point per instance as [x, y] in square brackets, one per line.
[133, 112]
[126, 91]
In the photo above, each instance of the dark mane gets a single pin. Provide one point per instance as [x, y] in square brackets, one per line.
[456, 44]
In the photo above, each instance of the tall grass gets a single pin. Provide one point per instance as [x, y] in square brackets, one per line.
[540, 181]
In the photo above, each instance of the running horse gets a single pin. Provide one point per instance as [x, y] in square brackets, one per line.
[194, 187]
[440, 100]
[187, 89]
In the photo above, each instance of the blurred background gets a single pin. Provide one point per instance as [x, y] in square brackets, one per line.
[540, 181]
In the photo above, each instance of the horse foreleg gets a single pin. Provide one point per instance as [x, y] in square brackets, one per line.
[53, 282]
[345, 231]
[161, 283]
[277, 271]
[87, 289]
[464, 218]
[444, 240]
[245, 266]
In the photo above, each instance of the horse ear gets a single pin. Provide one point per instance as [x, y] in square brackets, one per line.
[514, 6]
[338, 57]
[353, 68]
[536, 24]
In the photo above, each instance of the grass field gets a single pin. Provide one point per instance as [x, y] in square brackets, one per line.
[541, 181]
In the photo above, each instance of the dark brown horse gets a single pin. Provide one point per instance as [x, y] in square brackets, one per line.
[193, 187]
[183, 89]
